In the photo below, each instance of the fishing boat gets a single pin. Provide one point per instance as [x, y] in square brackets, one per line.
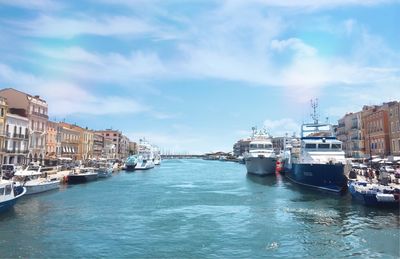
[260, 159]
[371, 194]
[319, 161]
[31, 178]
[82, 175]
[9, 194]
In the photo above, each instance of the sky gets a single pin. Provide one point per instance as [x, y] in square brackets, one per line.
[196, 75]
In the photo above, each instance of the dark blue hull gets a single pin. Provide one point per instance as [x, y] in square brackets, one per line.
[6, 205]
[328, 177]
[369, 199]
[130, 167]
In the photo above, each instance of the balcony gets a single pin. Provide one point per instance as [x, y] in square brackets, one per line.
[40, 115]
[20, 136]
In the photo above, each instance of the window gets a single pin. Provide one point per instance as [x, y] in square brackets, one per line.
[323, 146]
[260, 146]
[2, 191]
[253, 145]
[2, 112]
[115, 134]
[336, 146]
[268, 146]
[8, 190]
[311, 145]
[107, 134]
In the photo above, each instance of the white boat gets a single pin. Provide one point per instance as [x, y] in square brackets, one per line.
[145, 156]
[104, 170]
[261, 158]
[82, 175]
[9, 194]
[157, 155]
[31, 179]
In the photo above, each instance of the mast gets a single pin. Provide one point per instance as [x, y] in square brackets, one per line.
[314, 114]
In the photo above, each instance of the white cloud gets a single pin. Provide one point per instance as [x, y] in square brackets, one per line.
[67, 28]
[42, 5]
[278, 128]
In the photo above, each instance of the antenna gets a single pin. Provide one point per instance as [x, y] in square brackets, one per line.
[314, 114]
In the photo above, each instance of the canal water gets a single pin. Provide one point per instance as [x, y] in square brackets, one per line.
[195, 209]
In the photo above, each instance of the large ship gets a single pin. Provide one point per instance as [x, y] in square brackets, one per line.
[319, 160]
[145, 158]
[260, 159]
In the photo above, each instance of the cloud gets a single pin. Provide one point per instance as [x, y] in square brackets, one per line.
[278, 128]
[67, 28]
[42, 5]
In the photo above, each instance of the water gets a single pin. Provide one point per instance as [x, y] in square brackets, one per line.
[195, 209]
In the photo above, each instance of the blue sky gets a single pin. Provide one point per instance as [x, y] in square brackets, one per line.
[196, 75]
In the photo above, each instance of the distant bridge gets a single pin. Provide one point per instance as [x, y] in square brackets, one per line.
[182, 156]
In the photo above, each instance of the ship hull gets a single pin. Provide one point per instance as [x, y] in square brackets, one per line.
[75, 179]
[327, 177]
[261, 166]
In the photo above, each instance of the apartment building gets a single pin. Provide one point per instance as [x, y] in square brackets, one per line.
[394, 128]
[3, 135]
[17, 137]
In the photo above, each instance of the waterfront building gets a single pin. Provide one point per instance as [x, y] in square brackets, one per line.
[70, 140]
[241, 147]
[112, 142]
[394, 128]
[350, 133]
[132, 148]
[123, 150]
[3, 135]
[86, 144]
[98, 144]
[36, 110]
[17, 137]
[376, 130]
[52, 143]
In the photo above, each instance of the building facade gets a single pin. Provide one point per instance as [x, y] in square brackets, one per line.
[98, 144]
[37, 113]
[376, 130]
[3, 134]
[132, 148]
[240, 147]
[123, 150]
[70, 141]
[112, 140]
[350, 132]
[394, 128]
[16, 143]
[52, 141]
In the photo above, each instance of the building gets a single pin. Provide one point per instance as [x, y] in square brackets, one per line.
[350, 132]
[240, 147]
[17, 137]
[52, 141]
[112, 140]
[3, 135]
[123, 150]
[132, 148]
[394, 128]
[37, 114]
[375, 121]
[70, 141]
[98, 144]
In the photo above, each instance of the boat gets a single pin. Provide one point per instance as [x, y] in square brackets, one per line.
[145, 156]
[82, 175]
[260, 159]
[370, 194]
[131, 163]
[31, 179]
[103, 170]
[316, 160]
[157, 155]
[9, 194]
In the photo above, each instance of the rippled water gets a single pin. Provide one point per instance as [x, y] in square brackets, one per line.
[195, 209]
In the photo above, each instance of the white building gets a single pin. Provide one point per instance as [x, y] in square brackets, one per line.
[16, 143]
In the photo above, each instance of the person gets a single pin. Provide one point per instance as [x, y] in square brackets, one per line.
[370, 175]
[377, 174]
[352, 174]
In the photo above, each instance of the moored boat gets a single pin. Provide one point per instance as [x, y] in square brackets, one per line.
[131, 163]
[374, 194]
[261, 158]
[103, 170]
[82, 175]
[145, 158]
[31, 179]
[9, 194]
[317, 159]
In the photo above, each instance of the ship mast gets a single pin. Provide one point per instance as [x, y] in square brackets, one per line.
[314, 114]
